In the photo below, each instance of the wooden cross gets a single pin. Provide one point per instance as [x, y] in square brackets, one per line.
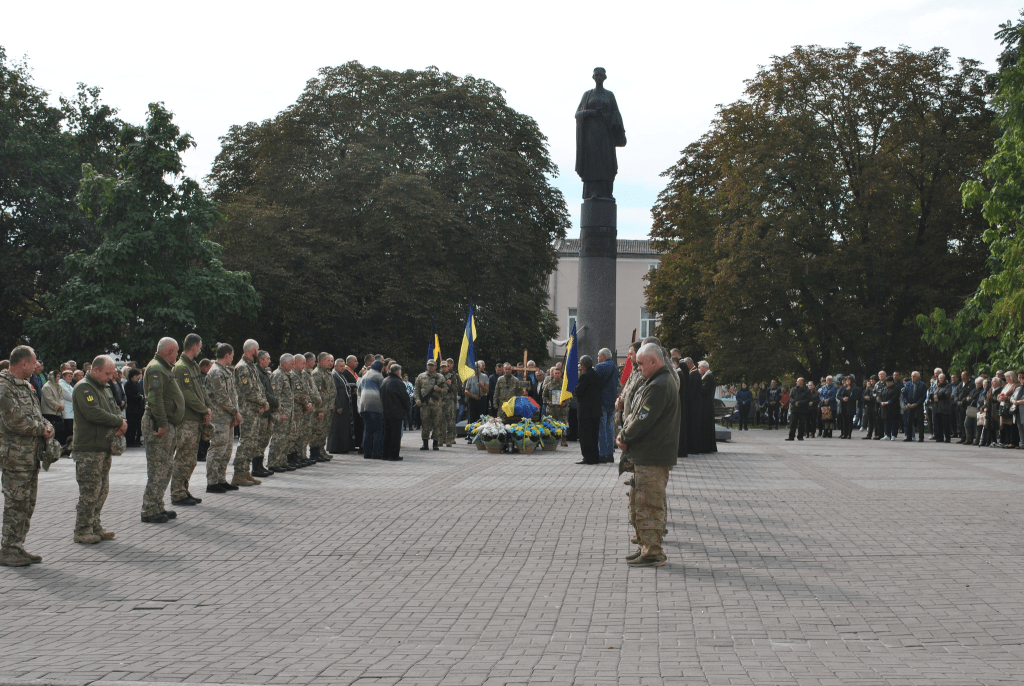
[526, 368]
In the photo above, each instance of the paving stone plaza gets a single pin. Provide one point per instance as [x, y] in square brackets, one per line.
[821, 562]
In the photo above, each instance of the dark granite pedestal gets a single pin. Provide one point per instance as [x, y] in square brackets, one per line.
[596, 287]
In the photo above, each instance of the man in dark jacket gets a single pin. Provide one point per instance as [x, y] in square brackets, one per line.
[395, 398]
[914, 393]
[799, 399]
[943, 410]
[136, 399]
[650, 439]
[588, 398]
[774, 399]
[692, 406]
[609, 375]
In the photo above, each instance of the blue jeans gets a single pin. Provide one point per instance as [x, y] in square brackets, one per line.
[606, 433]
[373, 433]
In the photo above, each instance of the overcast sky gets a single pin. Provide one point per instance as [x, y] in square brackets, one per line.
[669, 63]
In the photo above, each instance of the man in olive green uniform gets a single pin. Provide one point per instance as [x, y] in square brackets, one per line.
[197, 413]
[281, 444]
[300, 417]
[650, 438]
[429, 385]
[453, 391]
[23, 430]
[252, 403]
[220, 388]
[558, 411]
[165, 410]
[506, 387]
[268, 418]
[97, 420]
[314, 418]
[324, 381]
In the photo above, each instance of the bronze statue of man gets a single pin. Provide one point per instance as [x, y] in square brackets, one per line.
[599, 131]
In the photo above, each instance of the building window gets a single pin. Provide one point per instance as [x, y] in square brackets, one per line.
[647, 323]
[652, 266]
[572, 320]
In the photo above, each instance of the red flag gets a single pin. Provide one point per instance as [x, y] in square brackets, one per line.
[628, 368]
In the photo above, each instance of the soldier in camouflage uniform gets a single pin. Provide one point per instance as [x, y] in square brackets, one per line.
[220, 388]
[270, 417]
[505, 388]
[317, 415]
[558, 411]
[429, 384]
[303, 408]
[252, 403]
[324, 380]
[281, 444]
[22, 434]
[97, 420]
[197, 413]
[447, 416]
[165, 410]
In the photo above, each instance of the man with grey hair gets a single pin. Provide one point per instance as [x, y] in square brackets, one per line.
[223, 395]
[22, 431]
[706, 441]
[649, 439]
[252, 403]
[165, 410]
[396, 403]
[608, 374]
[324, 381]
[280, 440]
[97, 421]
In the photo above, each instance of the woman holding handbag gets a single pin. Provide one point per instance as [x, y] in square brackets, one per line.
[1007, 410]
[974, 398]
[848, 396]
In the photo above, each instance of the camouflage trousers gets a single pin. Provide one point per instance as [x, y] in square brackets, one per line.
[281, 443]
[648, 505]
[431, 421]
[304, 434]
[266, 429]
[159, 465]
[248, 441]
[450, 411]
[220, 449]
[322, 427]
[92, 470]
[20, 487]
[186, 450]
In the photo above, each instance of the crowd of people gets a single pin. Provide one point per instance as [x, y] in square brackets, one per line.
[184, 409]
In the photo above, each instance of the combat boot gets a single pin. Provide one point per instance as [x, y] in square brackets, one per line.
[87, 538]
[635, 554]
[241, 479]
[293, 461]
[104, 535]
[435, 446]
[14, 557]
[253, 479]
[425, 445]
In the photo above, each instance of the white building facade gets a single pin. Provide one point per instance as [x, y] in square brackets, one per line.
[635, 259]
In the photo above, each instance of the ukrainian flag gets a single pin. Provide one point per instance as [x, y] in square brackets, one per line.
[434, 347]
[571, 368]
[467, 356]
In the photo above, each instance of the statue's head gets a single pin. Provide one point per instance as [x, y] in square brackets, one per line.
[600, 75]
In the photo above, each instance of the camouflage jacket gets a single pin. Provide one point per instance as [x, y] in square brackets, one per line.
[251, 397]
[189, 377]
[22, 426]
[425, 383]
[314, 393]
[165, 402]
[325, 386]
[453, 390]
[300, 390]
[281, 382]
[220, 387]
[506, 387]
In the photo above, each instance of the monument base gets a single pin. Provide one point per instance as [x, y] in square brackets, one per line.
[596, 296]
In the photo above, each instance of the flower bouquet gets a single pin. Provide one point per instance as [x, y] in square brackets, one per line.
[492, 434]
[526, 435]
[552, 432]
[473, 431]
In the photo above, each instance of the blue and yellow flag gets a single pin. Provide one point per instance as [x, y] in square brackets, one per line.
[434, 347]
[467, 356]
[520, 406]
[571, 368]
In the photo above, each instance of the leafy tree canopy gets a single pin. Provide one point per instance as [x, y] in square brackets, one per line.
[988, 331]
[154, 273]
[820, 213]
[42, 150]
[381, 198]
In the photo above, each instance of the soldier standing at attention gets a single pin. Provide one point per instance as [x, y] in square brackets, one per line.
[449, 401]
[317, 415]
[324, 380]
[268, 418]
[97, 420]
[22, 431]
[197, 413]
[429, 385]
[220, 387]
[303, 406]
[507, 386]
[252, 403]
[281, 440]
[165, 409]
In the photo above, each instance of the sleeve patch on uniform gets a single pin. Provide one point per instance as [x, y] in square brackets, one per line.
[88, 398]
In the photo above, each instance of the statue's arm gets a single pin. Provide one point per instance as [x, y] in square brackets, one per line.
[582, 112]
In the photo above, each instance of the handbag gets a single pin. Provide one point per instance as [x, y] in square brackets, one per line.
[826, 413]
[982, 417]
[972, 412]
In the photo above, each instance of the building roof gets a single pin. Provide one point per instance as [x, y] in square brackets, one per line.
[571, 246]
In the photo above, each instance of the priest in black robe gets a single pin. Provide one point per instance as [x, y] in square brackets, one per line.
[706, 441]
[339, 441]
[684, 414]
[693, 405]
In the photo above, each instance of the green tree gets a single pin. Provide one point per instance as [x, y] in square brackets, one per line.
[381, 198]
[988, 330]
[820, 213]
[155, 272]
[42, 149]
